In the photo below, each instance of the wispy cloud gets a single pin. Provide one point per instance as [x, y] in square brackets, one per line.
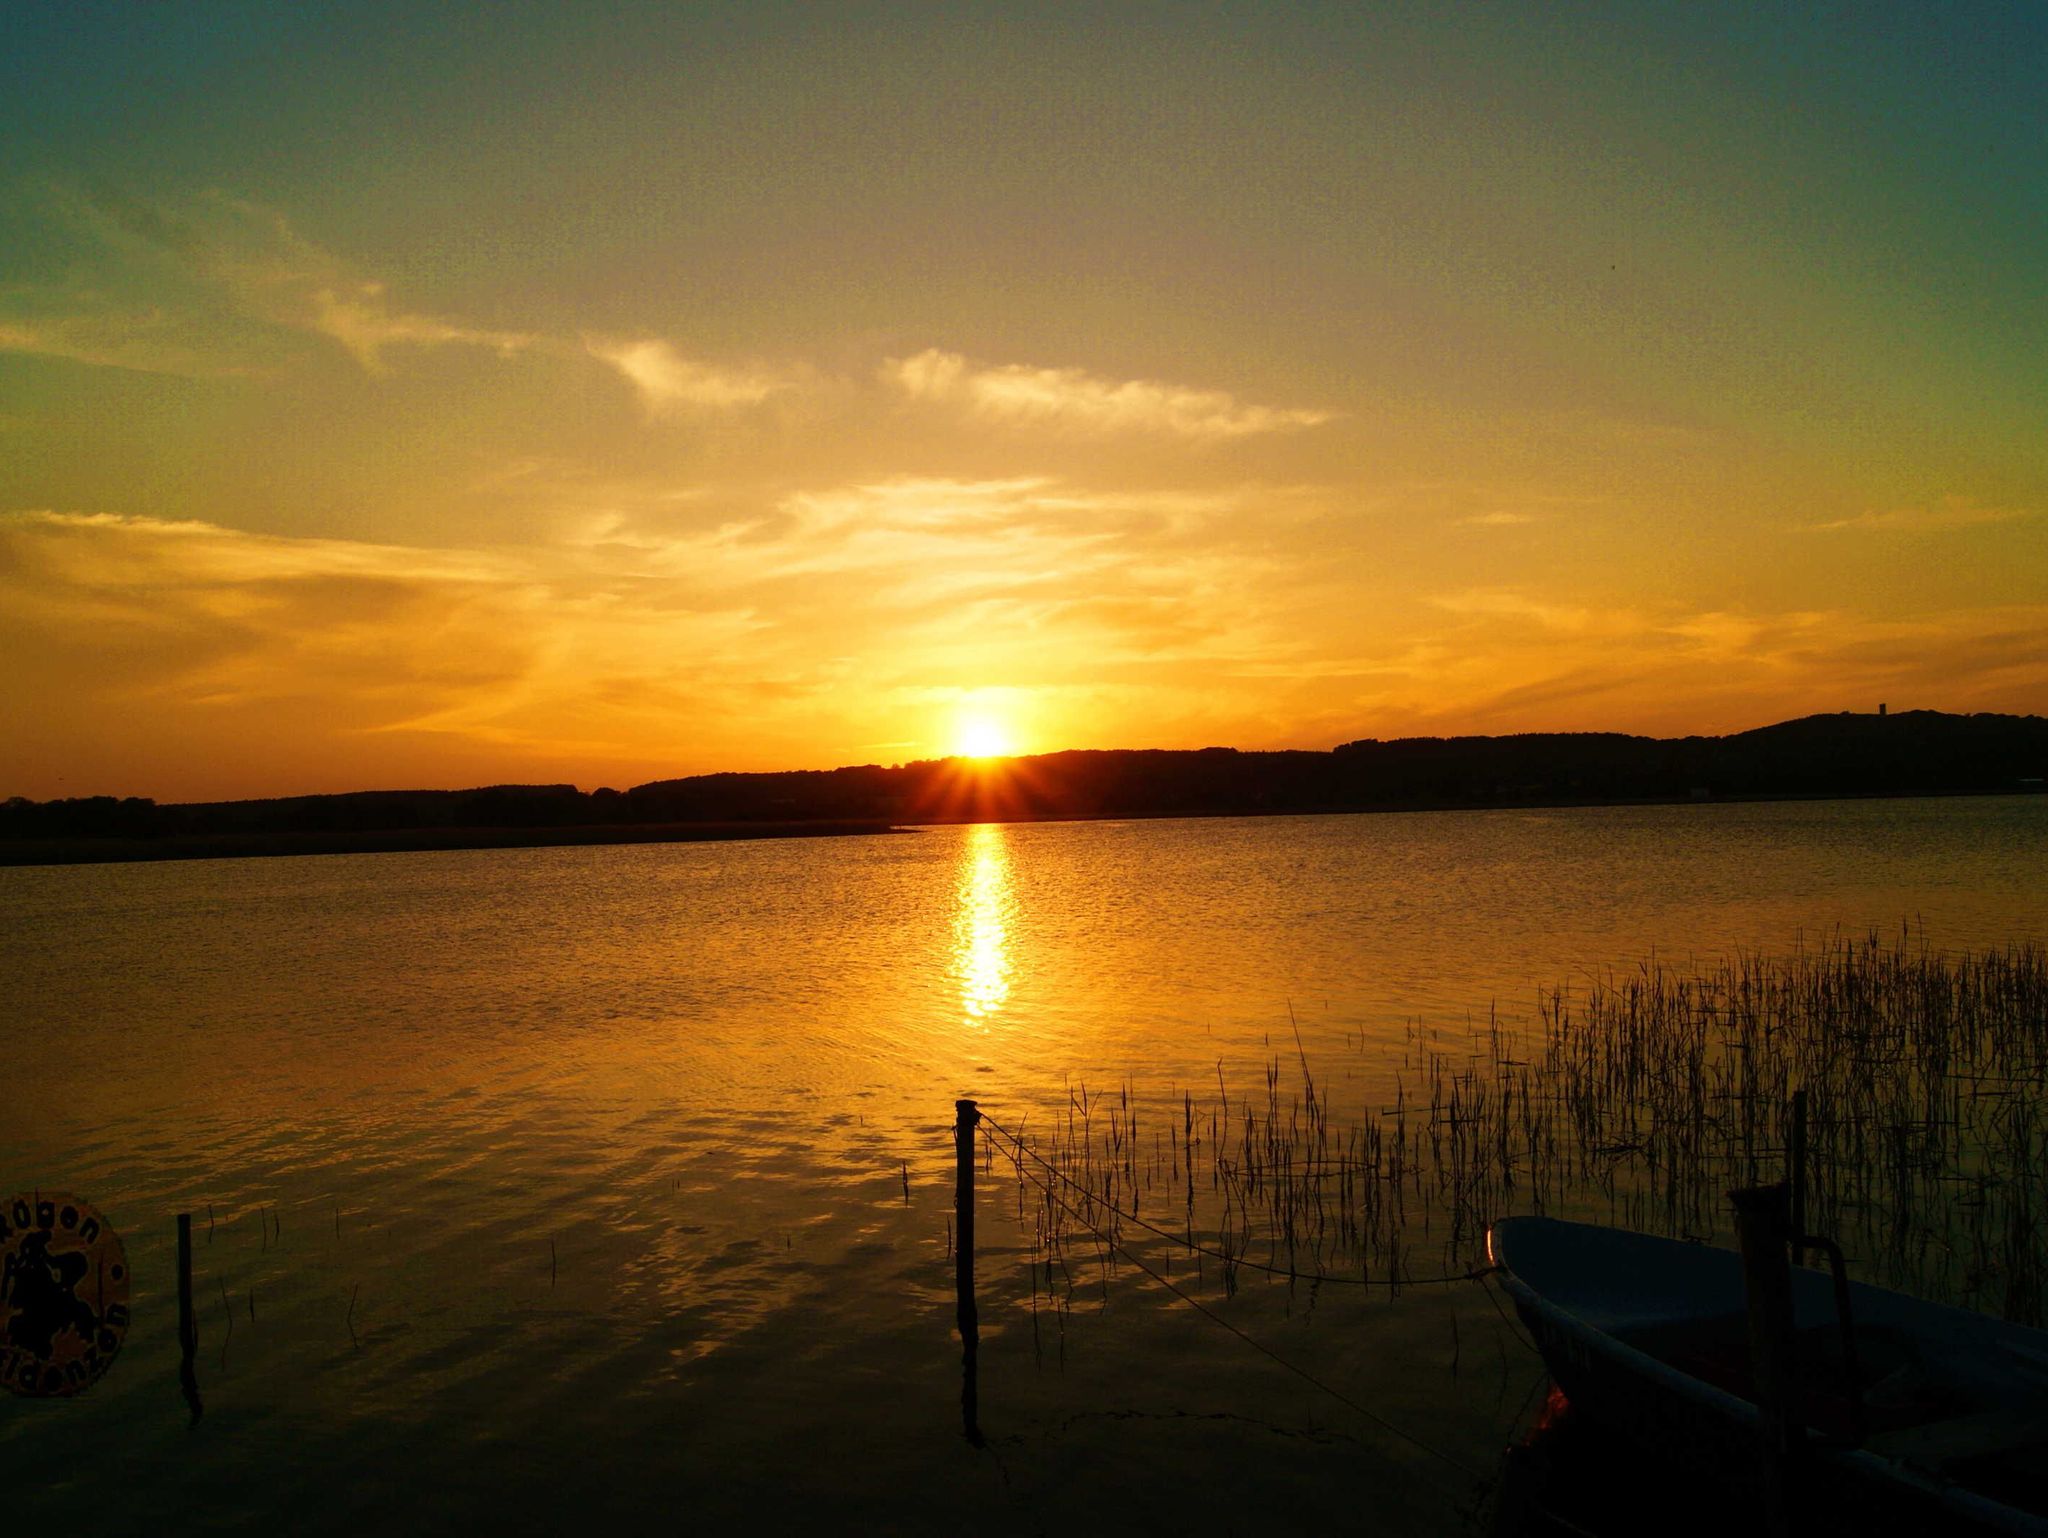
[255, 254]
[777, 635]
[187, 286]
[1948, 514]
[361, 319]
[1516, 663]
[211, 283]
[207, 630]
[1072, 399]
[143, 340]
[1573, 619]
[668, 382]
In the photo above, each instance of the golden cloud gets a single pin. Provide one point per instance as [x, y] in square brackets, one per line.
[1072, 399]
[669, 382]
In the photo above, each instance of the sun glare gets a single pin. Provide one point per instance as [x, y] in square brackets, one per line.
[981, 737]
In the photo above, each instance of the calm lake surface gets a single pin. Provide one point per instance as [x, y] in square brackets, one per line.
[534, 1188]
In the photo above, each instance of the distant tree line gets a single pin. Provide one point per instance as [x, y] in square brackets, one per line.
[1913, 753]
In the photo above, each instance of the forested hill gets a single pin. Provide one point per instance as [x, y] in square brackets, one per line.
[1913, 753]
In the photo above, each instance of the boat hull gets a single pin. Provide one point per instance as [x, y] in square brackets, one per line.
[1592, 1342]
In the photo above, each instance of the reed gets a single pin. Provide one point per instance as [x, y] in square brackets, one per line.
[1639, 1099]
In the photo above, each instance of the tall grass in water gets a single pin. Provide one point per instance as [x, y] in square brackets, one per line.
[1638, 1099]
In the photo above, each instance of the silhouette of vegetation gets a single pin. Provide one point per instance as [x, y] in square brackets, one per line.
[1639, 1098]
[1913, 753]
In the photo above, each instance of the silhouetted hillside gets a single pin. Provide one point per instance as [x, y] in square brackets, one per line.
[1915, 753]
[1918, 752]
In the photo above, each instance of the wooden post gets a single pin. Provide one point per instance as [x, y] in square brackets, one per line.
[1763, 1224]
[188, 1327]
[1797, 1175]
[969, 1117]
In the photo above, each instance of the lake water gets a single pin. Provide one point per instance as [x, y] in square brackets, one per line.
[537, 1188]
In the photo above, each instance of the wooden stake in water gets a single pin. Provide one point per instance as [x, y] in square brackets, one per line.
[1763, 1225]
[1797, 1175]
[969, 1117]
[188, 1327]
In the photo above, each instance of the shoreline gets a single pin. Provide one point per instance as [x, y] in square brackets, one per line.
[233, 846]
[281, 845]
[1532, 804]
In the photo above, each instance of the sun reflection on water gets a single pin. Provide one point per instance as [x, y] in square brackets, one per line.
[981, 923]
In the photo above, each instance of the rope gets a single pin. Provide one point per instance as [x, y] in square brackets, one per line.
[1259, 1346]
[1519, 1338]
[1218, 1255]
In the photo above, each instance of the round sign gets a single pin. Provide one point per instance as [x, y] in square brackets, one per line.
[63, 1295]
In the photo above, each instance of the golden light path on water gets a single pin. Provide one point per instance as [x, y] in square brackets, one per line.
[985, 907]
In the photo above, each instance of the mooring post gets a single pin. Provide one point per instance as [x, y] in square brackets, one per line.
[968, 1118]
[188, 1328]
[1797, 1175]
[1763, 1224]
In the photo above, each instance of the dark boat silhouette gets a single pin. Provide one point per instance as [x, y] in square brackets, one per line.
[1938, 1423]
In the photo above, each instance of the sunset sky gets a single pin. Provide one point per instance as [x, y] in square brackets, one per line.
[435, 396]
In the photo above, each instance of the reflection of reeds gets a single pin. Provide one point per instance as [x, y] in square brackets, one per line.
[1640, 1101]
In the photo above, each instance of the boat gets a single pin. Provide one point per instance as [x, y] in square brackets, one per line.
[1918, 1418]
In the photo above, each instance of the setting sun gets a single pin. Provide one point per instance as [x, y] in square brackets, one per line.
[982, 737]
